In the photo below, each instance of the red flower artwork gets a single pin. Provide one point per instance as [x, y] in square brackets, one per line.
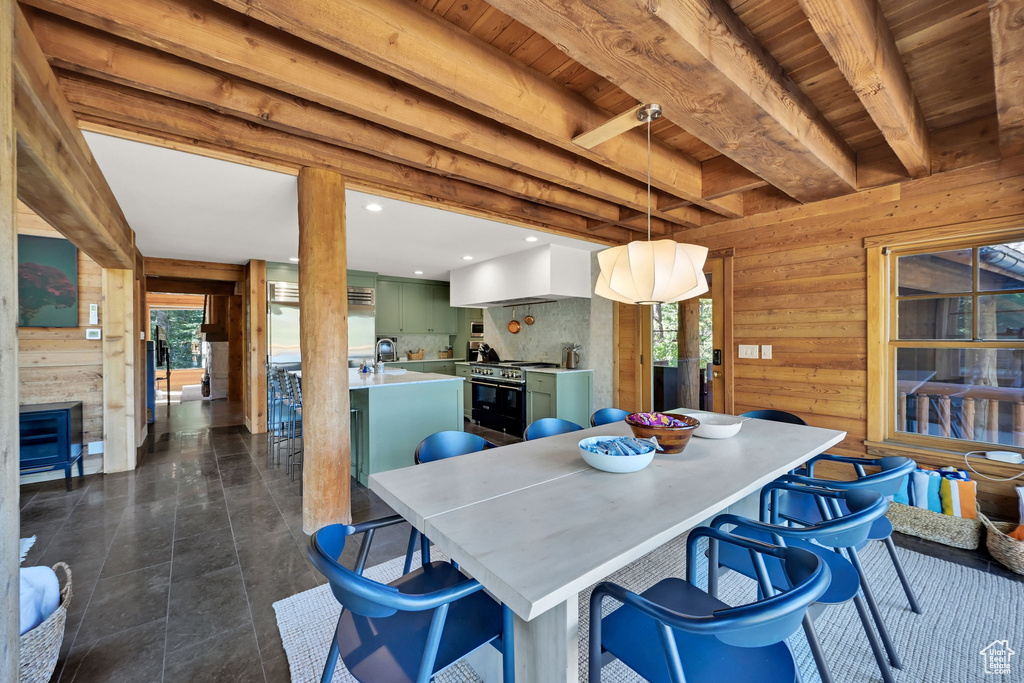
[40, 286]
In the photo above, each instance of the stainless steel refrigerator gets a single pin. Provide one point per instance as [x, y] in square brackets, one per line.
[284, 334]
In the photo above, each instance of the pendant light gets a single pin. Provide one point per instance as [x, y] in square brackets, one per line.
[651, 272]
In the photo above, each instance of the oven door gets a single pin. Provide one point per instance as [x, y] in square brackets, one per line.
[498, 406]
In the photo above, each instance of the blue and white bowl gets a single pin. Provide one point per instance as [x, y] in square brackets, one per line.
[618, 464]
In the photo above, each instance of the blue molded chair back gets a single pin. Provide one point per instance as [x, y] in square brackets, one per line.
[412, 628]
[775, 416]
[608, 415]
[550, 426]
[699, 637]
[441, 445]
[886, 481]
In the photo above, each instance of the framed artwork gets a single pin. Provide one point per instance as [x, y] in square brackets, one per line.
[47, 282]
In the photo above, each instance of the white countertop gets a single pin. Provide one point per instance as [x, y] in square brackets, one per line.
[556, 371]
[359, 380]
[425, 360]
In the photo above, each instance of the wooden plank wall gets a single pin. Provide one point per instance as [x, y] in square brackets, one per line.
[800, 285]
[58, 363]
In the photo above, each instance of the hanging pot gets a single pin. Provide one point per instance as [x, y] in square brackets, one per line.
[513, 325]
[529, 319]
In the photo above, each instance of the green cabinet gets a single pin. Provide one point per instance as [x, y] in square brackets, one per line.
[414, 307]
[440, 367]
[565, 395]
[389, 307]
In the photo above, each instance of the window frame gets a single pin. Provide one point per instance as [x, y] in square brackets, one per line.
[882, 253]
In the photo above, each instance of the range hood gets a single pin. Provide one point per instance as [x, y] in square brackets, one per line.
[540, 274]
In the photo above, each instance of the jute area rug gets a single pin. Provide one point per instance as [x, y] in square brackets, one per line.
[965, 610]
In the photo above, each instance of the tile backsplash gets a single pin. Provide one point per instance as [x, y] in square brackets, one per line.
[430, 343]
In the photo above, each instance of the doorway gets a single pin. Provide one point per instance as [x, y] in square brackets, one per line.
[690, 345]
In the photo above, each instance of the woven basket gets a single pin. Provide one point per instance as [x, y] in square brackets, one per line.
[1008, 551]
[40, 647]
[444, 354]
[414, 355]
[957, 532]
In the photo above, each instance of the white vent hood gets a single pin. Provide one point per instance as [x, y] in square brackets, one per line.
[540, 274]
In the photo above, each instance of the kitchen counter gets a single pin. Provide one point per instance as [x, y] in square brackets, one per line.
[359, 380]
[426, 360]
[556, 371]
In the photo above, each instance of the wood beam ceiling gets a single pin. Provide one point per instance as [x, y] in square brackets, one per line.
[118, 105]
[94, 53]
[473, 74]
[1007, 21]
[749, 109]
[221, 39]
[57, 175]
[858, 37]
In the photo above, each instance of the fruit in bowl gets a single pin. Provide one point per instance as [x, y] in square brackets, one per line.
[673, 432]
[617, 454]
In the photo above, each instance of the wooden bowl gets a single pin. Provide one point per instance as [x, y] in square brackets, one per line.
[671, 439]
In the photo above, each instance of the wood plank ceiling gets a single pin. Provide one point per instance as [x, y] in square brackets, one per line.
[473, 105]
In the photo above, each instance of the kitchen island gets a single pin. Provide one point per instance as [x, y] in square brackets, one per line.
[394, 411]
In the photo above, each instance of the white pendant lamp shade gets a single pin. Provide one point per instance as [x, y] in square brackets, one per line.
[657, 272]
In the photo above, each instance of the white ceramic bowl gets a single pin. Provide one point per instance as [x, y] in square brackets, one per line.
[714, 426]
[618, 464]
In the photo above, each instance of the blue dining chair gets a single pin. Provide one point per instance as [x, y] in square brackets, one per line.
[887, 481]
[439, 446]
[674, 632]
[412, 628]
[608, 415]
[774, 416]
[550, 426]
[834, 540]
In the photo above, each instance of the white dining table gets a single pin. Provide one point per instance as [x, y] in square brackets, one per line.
[536, 525]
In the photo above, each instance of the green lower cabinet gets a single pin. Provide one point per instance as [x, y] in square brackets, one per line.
[394, 419]
[565, 395]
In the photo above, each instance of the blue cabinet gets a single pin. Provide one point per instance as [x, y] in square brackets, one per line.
[51, 438]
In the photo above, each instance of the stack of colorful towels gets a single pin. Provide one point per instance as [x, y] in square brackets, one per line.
[948, 490]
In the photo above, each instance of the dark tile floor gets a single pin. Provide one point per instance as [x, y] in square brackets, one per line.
[177, 564]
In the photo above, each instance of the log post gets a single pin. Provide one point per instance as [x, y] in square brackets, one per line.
[967, 419]
[9, 516]
[923, 402]
[901, 413]
[992, 417]
[323, 319]
[945, 414]
[1018, 425]
[689, 353]
[255, 358]
[118, 370]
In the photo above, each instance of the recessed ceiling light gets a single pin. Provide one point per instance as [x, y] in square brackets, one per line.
[294, 260]
[467, 258]
[374, 207]
[531, 238]
[417, 272]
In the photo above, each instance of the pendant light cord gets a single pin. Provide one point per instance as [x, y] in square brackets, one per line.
[648, 177]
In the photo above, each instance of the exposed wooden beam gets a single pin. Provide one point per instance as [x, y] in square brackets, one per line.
[711, 76]
[173, 285]
[421, 48]
[97, 54]
[10, 516]
[117, 103]
[204, 33]
[193, 270]
[614, 126]
[723, 176]
[858, 37]
[1007, 20]
[57, 175]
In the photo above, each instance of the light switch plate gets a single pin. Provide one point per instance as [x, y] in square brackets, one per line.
[766, 351]
[94, 314]
[748, 351]
[94, 333]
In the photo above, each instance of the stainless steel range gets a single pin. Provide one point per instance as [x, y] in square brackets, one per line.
[499, 394]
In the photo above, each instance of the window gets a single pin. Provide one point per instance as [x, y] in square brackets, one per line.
[183, 335]
[953, 344]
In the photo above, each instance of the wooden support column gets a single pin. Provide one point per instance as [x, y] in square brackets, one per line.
[689, 354]
[118, 370]
[256, 346]
[323, 319]
[236, 348]
[9, 518]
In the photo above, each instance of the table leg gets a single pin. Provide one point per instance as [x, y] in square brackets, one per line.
[547, 647]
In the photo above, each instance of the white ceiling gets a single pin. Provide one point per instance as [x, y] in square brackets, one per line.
[186, 206]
